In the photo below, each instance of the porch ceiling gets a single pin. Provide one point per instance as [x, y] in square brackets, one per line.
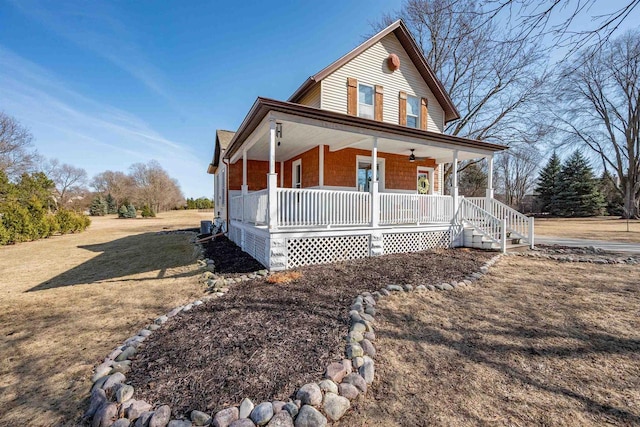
[299, 136]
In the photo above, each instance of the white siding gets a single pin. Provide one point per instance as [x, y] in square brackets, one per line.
[371, 67]
[312, 98]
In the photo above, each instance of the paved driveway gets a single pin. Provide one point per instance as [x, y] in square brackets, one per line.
[621, 247]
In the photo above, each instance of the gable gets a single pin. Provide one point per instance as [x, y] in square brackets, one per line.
[370, 67]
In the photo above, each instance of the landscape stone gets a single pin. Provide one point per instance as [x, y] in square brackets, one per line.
[370, 300]
[354, 337]
[199, 418]
[408, 288]
[370, 311]
[246, 406]
[242, 422]
[310, 394]
[447, 287]
[358, 327]
[179, 423]
[367, 370]
[122, 367]
[101, 370]
[112, 380]
[385, 292]
[354, 350]
[136, 408]
[421, 288]
[153, 327]
[348, 390]
[367, 317]
[122, 422]
[431, 287]
[98, 398]
[396, 288]
[335, 372]
[225, 417]
[124, 393]
[277, 405]
[262, 413]
[281, 419]
[368, 348]
[291, 408]
[335, 406]
[371, 336]
[160, 320]
[126, 353]
[377, 294]
[348, 366]
[144, 419]
[354, 316]
[105, 415]
[174, 311]
[329, 386]
[356, 380]
[187, 307]
[160, 417]
[357, 362]
[356, 307]
[310, 417]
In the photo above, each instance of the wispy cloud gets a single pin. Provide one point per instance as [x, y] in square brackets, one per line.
[83, 131]
[95, 27]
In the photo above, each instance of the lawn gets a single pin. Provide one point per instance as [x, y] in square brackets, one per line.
[521, 348]
[66, 301]
[597, 228]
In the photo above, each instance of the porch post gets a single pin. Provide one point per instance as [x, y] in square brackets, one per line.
[272, 179]
[489, 183]
[375, 200]
[454, 188]
[245, 187]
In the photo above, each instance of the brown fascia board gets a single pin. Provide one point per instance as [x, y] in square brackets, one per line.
[263, 106]
[410, 46]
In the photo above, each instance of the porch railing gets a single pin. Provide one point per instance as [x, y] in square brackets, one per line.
[481, 220]
[414, 208]
[518, 224]
[251, 207]
[310, 207]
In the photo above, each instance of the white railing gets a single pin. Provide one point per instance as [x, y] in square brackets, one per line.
[235, 208]
[310, 207]
[255, 207]
[518, 224]
[485, 223]
[414, 208]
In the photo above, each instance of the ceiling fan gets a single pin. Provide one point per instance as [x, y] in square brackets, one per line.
[413, 158]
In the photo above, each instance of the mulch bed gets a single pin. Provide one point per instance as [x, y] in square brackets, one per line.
[264, 340]
[229, 258]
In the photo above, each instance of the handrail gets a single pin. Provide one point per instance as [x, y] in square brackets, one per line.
[484, 222]
[518, 224]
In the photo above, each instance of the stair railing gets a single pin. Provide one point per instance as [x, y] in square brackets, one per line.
[495, 229]
[518, 224]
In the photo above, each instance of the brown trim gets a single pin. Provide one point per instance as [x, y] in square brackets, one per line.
[402, 108]
[423, 113]
[352, 96]
[411, 47]
[378, 103]
[263, 106]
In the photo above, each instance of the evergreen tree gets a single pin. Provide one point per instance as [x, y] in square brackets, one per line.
[147, 212]
[131, 211]
[99, 207]
[578, 193]
[112, 206]
[548, 183]
[614, 202]
[123, 212]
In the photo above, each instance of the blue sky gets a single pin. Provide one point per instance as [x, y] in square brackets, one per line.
[103, 85]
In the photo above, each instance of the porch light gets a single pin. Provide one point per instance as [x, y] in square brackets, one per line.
[279, 130]
[412, 157]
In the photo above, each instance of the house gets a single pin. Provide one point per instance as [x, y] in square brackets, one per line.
[351, 166]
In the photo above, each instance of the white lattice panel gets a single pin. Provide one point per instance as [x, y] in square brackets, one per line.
[234, 235]
[261, 250]
[398, 243]
[321, 250]
[254, 245]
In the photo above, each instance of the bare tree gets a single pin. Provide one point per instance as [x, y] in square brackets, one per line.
[70, 181]
[494, 76]
[116, 183]
[16, 155]
[601, 110]
[516, 174]
[154, 186]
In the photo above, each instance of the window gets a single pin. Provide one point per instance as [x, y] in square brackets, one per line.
[296, 174]
[413, 111]
[364, 173]
[365, 101]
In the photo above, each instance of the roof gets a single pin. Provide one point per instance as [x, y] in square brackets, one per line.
[223, 138]
[263, 106]
[410, 46]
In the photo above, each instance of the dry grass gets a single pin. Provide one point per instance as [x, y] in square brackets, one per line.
[598, 228]
[285, 277]
[524, 348]
[68, 300]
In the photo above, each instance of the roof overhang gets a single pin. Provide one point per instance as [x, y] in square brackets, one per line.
[413, 50]
[309, 127]
[223, 138]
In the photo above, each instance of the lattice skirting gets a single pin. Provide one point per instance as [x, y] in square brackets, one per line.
[235, 235]
[398, 243]
[256, 246]
[322, 250]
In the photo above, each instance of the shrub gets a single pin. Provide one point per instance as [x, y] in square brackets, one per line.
[127, 211]
[4, 234]
[71, 222]
[147, 212]
[17, 222]
[99, 207]
[131, 211]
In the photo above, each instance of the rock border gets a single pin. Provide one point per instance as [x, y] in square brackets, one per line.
[588, 254]
[112, 402]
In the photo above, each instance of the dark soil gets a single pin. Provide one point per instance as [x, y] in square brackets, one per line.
[229, 258]
[263, 340]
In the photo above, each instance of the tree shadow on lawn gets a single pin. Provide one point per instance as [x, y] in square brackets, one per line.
[128, 256]
[482, 341]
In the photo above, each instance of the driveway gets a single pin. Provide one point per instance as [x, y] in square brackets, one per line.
[621, 247]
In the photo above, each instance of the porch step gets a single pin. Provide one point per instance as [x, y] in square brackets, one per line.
[520, 247]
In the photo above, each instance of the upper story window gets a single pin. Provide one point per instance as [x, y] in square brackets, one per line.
[413, 111]
[365, 101]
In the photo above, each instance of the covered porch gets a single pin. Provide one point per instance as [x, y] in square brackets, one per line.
[308, 174]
